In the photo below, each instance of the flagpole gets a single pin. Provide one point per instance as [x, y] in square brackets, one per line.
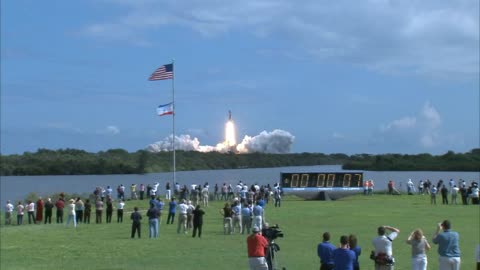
[174, 112]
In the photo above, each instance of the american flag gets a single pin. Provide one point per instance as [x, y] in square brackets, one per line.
[164, 72]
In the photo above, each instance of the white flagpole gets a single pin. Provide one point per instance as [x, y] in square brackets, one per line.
[174, 112]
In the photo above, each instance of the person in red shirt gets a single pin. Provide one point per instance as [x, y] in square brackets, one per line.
[256, 245]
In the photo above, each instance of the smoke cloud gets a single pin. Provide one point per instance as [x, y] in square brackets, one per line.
[276, 142]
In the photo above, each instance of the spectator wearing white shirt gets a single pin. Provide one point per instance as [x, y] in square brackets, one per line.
[182, 216]
[455, 190]
[384, 248]
[190, 215]
[31, 212]
[71, 213]
[205, 195]
[120, 206]
[20, 209]
[8, 213]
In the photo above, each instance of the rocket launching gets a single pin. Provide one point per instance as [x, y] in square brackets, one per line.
[230, 139]
[275, 142]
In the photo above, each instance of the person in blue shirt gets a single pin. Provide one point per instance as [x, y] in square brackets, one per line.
[352, 242]
[448, 246]
[343, 257]
[325, 252]
[171, 211]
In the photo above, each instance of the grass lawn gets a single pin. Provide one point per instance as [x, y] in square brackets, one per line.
[108, 246]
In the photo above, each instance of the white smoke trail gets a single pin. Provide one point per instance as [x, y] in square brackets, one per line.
[275, 142]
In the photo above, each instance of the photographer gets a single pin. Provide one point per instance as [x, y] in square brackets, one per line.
[383, 254]
[256, 246]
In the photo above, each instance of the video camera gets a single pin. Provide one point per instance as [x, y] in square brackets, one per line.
[272, 232]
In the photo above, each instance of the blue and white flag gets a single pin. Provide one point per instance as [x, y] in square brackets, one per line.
[165, 109]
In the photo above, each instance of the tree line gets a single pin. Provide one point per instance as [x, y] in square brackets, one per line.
[119, 161]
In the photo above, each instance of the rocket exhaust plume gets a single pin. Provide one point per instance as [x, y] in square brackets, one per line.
[230, 138]
[275, 142]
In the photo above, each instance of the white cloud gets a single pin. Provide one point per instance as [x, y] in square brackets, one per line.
[109, 130]
[400, 124]
[337, 135]
[430, 37]
[430, 115]
[421, 130]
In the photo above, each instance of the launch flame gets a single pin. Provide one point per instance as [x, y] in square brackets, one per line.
[230, 139]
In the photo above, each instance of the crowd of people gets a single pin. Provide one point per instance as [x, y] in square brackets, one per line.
[345, 256]
[244, 212]
[449, 192]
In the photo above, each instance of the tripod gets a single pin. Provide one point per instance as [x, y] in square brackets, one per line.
[271, 256]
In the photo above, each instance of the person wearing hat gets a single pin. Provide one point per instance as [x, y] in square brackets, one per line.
[71, 213]
[256, 245]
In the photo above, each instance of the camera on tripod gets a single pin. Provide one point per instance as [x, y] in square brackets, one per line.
[272, 232]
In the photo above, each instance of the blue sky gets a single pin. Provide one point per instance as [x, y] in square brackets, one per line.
[349, 77]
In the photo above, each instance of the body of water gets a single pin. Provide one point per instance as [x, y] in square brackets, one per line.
[16, 188]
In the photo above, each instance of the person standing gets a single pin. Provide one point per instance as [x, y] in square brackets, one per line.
[71, 213]
[205, 196]
[258, 215]
[384, 249]
[168, 191]
[444, 192]
[98, 211]
[87, 211]
[197, 221]
[20, 209]
[353, 244]
[60, 204]
[109, 210]
[420, 246]
[190, 209]
[48, 211]
[136, 225]
[133, 192]
[182, 216]
[454, 193]
[277, 196]
[153, 215]
[120, 207]
[448, 246]
[226, 212]
[39, 205]
[246, 218]
[237, 216]
[8, 213]
[172, 207]
[142, 191]
[256, 245]
[79, 208]
[433, 195]
[325, 252]
[31, 212]
[343, 257]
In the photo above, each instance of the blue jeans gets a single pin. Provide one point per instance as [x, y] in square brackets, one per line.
[153, 225]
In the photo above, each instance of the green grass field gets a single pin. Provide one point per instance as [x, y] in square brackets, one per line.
[108, 246]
